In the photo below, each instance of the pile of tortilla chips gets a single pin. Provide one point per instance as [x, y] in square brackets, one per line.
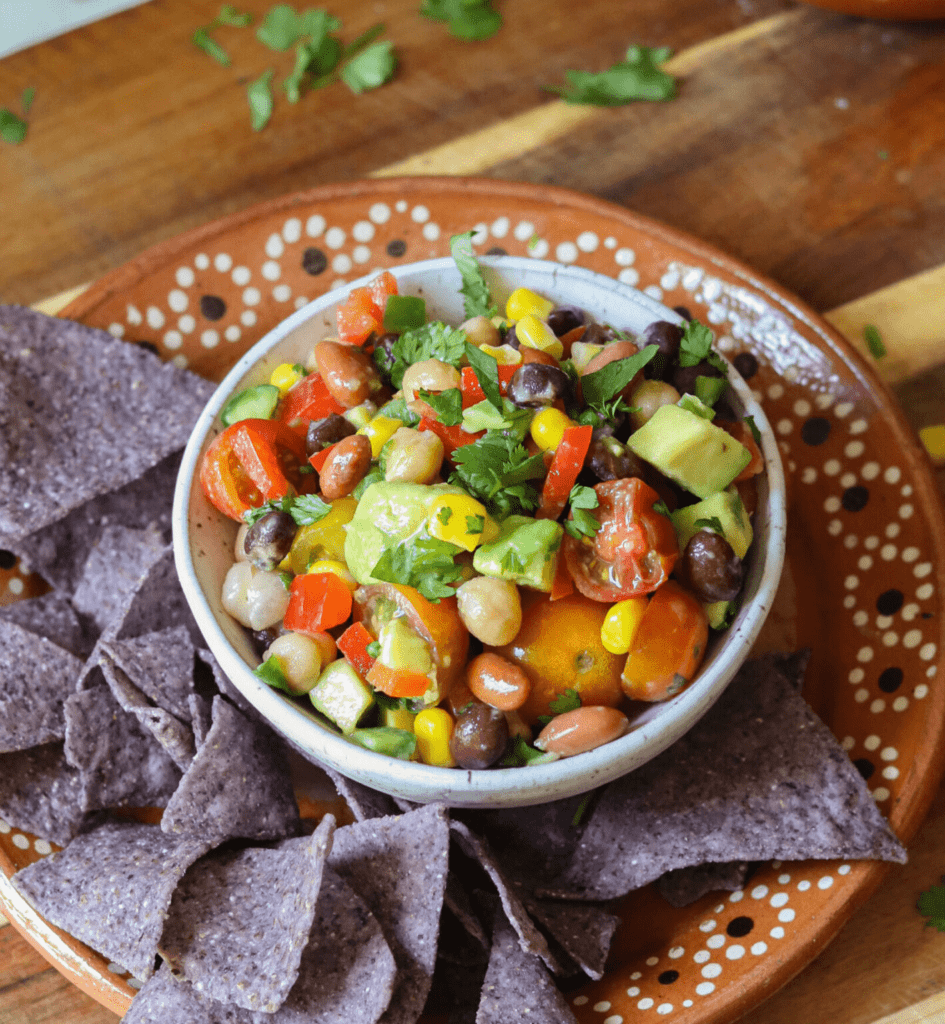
[233, 908]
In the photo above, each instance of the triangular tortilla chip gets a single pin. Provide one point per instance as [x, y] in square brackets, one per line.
[161, 664]
[40, 792]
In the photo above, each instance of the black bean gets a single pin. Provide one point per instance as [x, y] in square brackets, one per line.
[510, 337]
[684, 377]
[710, 568]
[480, 737]
[598, 334]
[565, 318]
[322, 433]
[608, 459]
[269, 540]
[262, 638]
[538, 385]
[666, 337]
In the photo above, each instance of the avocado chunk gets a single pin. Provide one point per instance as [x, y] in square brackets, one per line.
[388, 513]
[524, 552]
[341, 695]
[725, 509]
[718, 613]
[690, 450]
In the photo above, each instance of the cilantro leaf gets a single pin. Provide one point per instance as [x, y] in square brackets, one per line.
[228, 16]
[486, 368]
[445, 515]
[12, 128]
[637, 77]
[582, 808]
[512, 563]
[370, 68]
[271, 672]
[661, 507]
[282, 27]
[602, 385]
[259, 95]
[569, 700]
[712, 523]
[434, 340]
[753, 427]
[477, 300]
[448, 405]
[309, 508]
[931, 904]
[475, 525]
[29, 94]
[510, 420]
[874, 341]
[695, 347]
[472, 20]
[583, 523]
[425, 563]
[520, 754]
[496, 469]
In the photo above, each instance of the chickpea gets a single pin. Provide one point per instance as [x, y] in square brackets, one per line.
[480, 330]
[300, 659]
[429, 375]
[490, 609]
[497, 682]
[647, 398]
[414, 456]
[239, 548]
[254, 598]
[345, 467]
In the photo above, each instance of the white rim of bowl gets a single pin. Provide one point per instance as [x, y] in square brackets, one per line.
[493, 787]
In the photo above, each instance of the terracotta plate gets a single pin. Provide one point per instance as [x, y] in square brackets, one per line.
[866, 554]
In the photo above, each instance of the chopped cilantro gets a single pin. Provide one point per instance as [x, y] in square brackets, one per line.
[604, 384]
[637, 77]
[512, 563]
[472, 20]
[510, 420]
[425, 563]
[874, 341]
[282, 27]
[434, 340]
[287, 579]
[374, 649]
[228, 16]
[753, 427]
[445, 515]
[371, 68]
[259, 95]
[271, 672]
[448, 405]
[661, 507]
[26, 101]
[496, 469]
[13, 128]
[582, 809]
[931, 904]
[475, 525]
[569, 700]
[396, 409]
[582, 522]
[712, 523]
[477, 299]
[486, 368]
[404, 313]
[521, 753]
[695, 346]
[305, 509]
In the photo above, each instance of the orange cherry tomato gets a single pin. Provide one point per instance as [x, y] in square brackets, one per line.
[668, 647]
[397, 682]
[634, 550]
[252, 462]
[559, 648]
[438, 624]
[317, 602]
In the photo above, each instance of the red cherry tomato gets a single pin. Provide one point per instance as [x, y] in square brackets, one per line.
[317, 602]
[308, 400]
[251, 462]
[363, 312]
[634, 550]
[668, 647]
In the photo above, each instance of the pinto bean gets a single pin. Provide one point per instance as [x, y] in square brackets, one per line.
[345, 467]
[582, 729]
[497, 682]
[349, 374]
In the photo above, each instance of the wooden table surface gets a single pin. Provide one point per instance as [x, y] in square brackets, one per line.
[809, 145]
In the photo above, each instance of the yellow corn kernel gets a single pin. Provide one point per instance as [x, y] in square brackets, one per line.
[534, 333]
[379, 431]
[504, 355]
[933, 438]
[398, 718]
[433, 728]
[548, 427]
[523, 301]
[336, 567]
[286, 376]
[458, 519]
[620, 624]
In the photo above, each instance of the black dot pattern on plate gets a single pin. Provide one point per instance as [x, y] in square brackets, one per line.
[815, 431]
[889, 602]
[684, 312]
[864, 766]
[855, 498]
[668, 977]
[150, 346]
[496, 250]
[747, 364]
[739, 927]
[7, 559]
[890, 679]
[396, 247]
[314, 261]
[212, 307]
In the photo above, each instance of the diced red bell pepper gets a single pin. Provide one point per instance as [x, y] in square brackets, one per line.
[317, 601]
[452, 437]
[318, 459]
[563, 473]
[562, 585]
[353, 644]
[472, 389]
[363, 312]
[308, 400]
[397, 682]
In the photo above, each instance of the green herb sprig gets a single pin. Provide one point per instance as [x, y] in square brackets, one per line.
[637, 77]
[13, 128]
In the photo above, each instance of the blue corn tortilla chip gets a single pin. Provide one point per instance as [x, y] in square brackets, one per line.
[111, 888]
[584, 931]
[51, 615]
[239, 920]
[165, 1000]
[157, 603]
[398, 866]
[121, 763]
[760, 777]
[201, 717]
[238, 785]
[686, 885]
[364, 802]
[161, 664]
[517, 987]
[41, 793]
[72, 396]
[58, 551]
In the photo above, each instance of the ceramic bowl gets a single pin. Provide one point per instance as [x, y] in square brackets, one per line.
[204, 539]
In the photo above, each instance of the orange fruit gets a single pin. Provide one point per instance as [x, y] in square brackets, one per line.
[559, 648]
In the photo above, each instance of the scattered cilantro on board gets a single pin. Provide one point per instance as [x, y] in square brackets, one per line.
[931, 904]
[13, 128]
[230, 17]
[874, 341]
[472, 20]
[637, 77]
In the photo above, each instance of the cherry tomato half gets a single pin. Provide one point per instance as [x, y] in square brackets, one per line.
[634, 550]
[363, 312]
[668, 647]
[251, 462]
